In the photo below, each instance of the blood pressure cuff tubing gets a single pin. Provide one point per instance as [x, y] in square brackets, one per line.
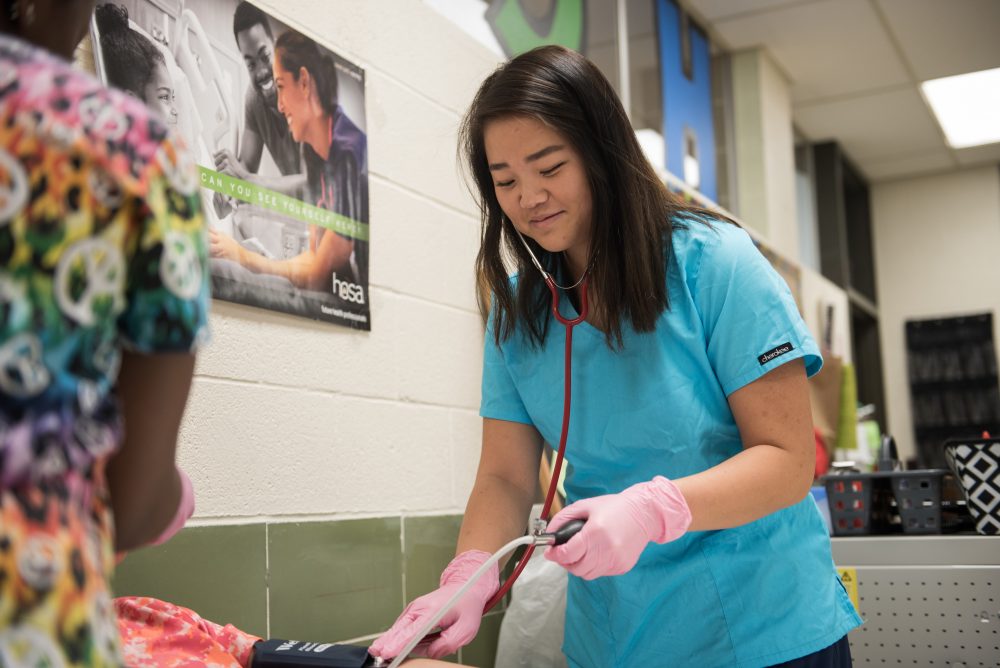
[295, 654]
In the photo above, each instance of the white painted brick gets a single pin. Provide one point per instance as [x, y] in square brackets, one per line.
[400, 456]
[422, 248]
[264, 346]
[419, 351]
[439, 354]
[466, 438]
[412, 141]
[257, 451]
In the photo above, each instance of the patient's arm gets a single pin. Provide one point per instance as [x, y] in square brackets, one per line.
[310, 270]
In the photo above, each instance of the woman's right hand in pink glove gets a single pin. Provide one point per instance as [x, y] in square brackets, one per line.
[461, 623]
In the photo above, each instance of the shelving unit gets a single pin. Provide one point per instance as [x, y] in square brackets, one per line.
[954, 386]
[847, 258]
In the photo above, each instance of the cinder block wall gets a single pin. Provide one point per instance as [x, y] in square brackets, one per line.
[292, 419]
[332, 466]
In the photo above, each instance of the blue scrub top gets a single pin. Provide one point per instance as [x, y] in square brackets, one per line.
[755, 595]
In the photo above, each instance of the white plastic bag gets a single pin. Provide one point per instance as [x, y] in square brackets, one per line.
[531, 633]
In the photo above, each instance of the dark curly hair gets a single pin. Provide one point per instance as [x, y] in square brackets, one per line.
[247, 16]
[129, 58]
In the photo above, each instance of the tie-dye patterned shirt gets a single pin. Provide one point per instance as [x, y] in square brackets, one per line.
[102, 248]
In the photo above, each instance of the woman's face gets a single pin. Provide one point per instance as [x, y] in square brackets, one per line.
[159, 94]
[293, 98]
[541, 184]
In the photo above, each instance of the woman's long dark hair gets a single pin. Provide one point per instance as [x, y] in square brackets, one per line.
[129, 58]
[296, 51]
[633, 212]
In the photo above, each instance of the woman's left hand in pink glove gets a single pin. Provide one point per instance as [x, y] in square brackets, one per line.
[618, 528]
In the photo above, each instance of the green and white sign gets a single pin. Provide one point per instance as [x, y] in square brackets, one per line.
[284, 180]
[245, 191]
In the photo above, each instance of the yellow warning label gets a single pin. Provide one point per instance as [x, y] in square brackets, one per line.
[849, 576]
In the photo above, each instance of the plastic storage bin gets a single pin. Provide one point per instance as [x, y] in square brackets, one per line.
[862, 504]
[976, 464]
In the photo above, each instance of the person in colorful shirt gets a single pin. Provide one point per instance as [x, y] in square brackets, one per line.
[104, 297]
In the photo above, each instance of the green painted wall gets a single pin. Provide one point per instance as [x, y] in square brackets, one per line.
[322, 581]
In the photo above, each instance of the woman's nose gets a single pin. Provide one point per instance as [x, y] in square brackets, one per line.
[532, 196]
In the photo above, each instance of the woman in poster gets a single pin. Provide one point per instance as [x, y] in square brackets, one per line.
[336, 158]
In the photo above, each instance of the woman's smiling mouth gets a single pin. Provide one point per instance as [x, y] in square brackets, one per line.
[541, 220]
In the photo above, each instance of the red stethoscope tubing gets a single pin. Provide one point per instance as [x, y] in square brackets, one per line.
[569, 324]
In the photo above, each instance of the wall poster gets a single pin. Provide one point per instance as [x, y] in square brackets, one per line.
[276, 123]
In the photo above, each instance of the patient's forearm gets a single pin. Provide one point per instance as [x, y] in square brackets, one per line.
[298, 269]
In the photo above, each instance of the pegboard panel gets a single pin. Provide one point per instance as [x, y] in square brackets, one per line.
[946, 616]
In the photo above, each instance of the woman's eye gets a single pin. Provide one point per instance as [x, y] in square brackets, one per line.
[552, 170]
[504, 184]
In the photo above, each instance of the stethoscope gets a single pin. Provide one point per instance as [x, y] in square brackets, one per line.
[538, 535]
[568, 324]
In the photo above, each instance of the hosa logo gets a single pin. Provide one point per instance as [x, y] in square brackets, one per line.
[786, 347]
[348, 291]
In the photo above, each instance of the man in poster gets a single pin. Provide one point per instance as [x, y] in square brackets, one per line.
[263, 125]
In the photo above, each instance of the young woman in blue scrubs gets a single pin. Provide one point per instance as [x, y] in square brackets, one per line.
[690, 443]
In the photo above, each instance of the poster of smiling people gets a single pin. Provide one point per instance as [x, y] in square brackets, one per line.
[277, 125]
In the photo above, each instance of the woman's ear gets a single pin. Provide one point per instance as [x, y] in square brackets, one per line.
[304, 79]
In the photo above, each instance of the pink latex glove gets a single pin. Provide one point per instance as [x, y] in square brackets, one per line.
[185, 509]
[459, 625]
[618, 528]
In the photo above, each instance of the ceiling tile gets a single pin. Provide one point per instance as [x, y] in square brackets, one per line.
[712, 10]
[826, 48]
[910, 165]
[978, 155]
[944, 38]
[883, 125]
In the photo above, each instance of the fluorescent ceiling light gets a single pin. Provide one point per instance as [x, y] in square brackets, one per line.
[967, 107]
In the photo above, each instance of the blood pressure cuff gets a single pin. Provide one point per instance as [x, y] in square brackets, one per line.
[294, 654]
